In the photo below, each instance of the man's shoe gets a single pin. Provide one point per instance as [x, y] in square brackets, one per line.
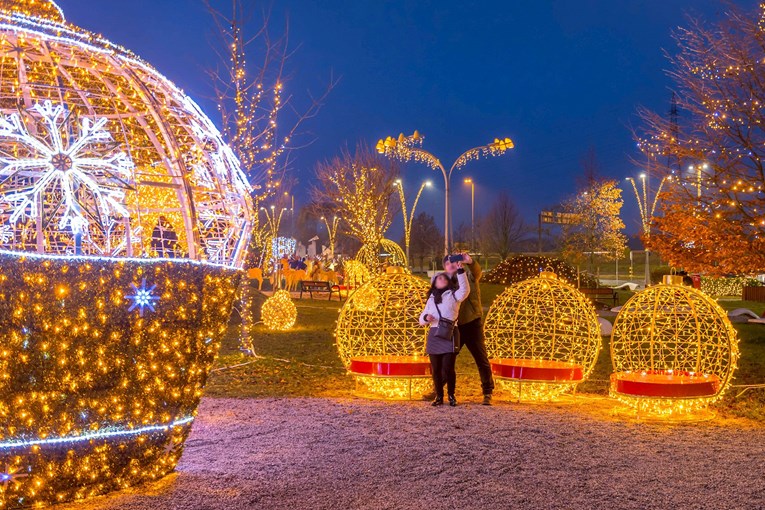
[487, 399]
[452, 401]
[439, 401]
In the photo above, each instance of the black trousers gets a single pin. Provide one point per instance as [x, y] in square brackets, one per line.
[471, 335]
[442, 366]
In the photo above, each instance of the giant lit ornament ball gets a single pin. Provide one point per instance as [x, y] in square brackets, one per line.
[542, 338]
[379, 338]
[124, 218]
[673, 349]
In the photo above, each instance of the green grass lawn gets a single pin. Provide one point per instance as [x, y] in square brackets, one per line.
[304, 361]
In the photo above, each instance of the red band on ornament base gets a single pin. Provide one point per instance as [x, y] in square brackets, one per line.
[390, 366]
[537, 370]
[665, 383]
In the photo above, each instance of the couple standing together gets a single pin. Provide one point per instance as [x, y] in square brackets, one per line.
[454, 314]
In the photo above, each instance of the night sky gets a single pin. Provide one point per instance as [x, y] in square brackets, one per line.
[559, 78]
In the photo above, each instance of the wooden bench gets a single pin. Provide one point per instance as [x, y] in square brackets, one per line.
[601, 292]
[312, 286]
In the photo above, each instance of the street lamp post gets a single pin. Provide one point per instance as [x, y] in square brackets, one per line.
[409, 148]
[470, 181]
[647, 208]
[408, 219]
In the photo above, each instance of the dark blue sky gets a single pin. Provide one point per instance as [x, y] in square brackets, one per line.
[559, 77]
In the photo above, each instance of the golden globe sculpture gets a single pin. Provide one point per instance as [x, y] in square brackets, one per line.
[376, 256]
[379, 338]
[124, 219]
[278, 312]
[673, 350]
[542, 338]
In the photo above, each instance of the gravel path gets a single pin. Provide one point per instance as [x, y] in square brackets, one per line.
[347, 454]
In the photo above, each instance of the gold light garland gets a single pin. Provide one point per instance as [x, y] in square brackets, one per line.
[380, 321]
[101, 370]
[279, 313]
[666, 340]
[547, 333]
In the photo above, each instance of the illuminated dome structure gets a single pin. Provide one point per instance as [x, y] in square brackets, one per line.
[379, 338]
[385, 253]
[673, 351]
[123, 220]
[542, 338]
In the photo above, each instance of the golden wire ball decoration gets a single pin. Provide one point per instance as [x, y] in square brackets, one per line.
[542, 338]
[376, 256]
[279, 313]
[355, 273]
[673, 349]
[378, 335]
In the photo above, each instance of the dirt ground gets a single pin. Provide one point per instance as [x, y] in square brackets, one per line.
[357, 454]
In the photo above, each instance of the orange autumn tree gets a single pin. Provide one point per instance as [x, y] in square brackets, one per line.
[712, 212]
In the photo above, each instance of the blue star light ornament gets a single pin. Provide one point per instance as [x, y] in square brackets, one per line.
[143, 298]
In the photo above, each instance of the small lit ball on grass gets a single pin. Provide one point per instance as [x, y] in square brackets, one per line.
[379, 338]
[279, 313]
[674, 351]
[542, 338]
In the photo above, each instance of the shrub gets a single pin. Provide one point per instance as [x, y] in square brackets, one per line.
[523, 267]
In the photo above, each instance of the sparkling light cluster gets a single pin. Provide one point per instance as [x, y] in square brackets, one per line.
[94, 394]
[727, 286]
[544, 320]
[279, 313]
[668, 329]
[381, 318]
[101, 155]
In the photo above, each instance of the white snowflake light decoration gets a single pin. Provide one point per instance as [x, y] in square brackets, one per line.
[78, 179]
[143, 298]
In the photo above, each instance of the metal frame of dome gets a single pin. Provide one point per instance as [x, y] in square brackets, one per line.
[673, 349]
[379, 339]
[542, 338]
[149, 160]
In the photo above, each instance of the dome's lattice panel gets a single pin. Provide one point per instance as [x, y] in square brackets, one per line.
[100, 155]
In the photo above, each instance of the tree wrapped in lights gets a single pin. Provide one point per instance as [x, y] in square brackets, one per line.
[358, 189]
[711, 216]
[597, 226]
[542, 337]
[379, 338]
[673, 350]
[124, 218]
[279, 313]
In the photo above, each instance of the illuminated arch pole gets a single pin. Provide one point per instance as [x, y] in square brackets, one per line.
[409, 148]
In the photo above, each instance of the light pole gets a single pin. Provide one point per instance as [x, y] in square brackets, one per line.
[332, 233]
[647, 208]
[409, 219]
[409, 148]
[470, 181]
